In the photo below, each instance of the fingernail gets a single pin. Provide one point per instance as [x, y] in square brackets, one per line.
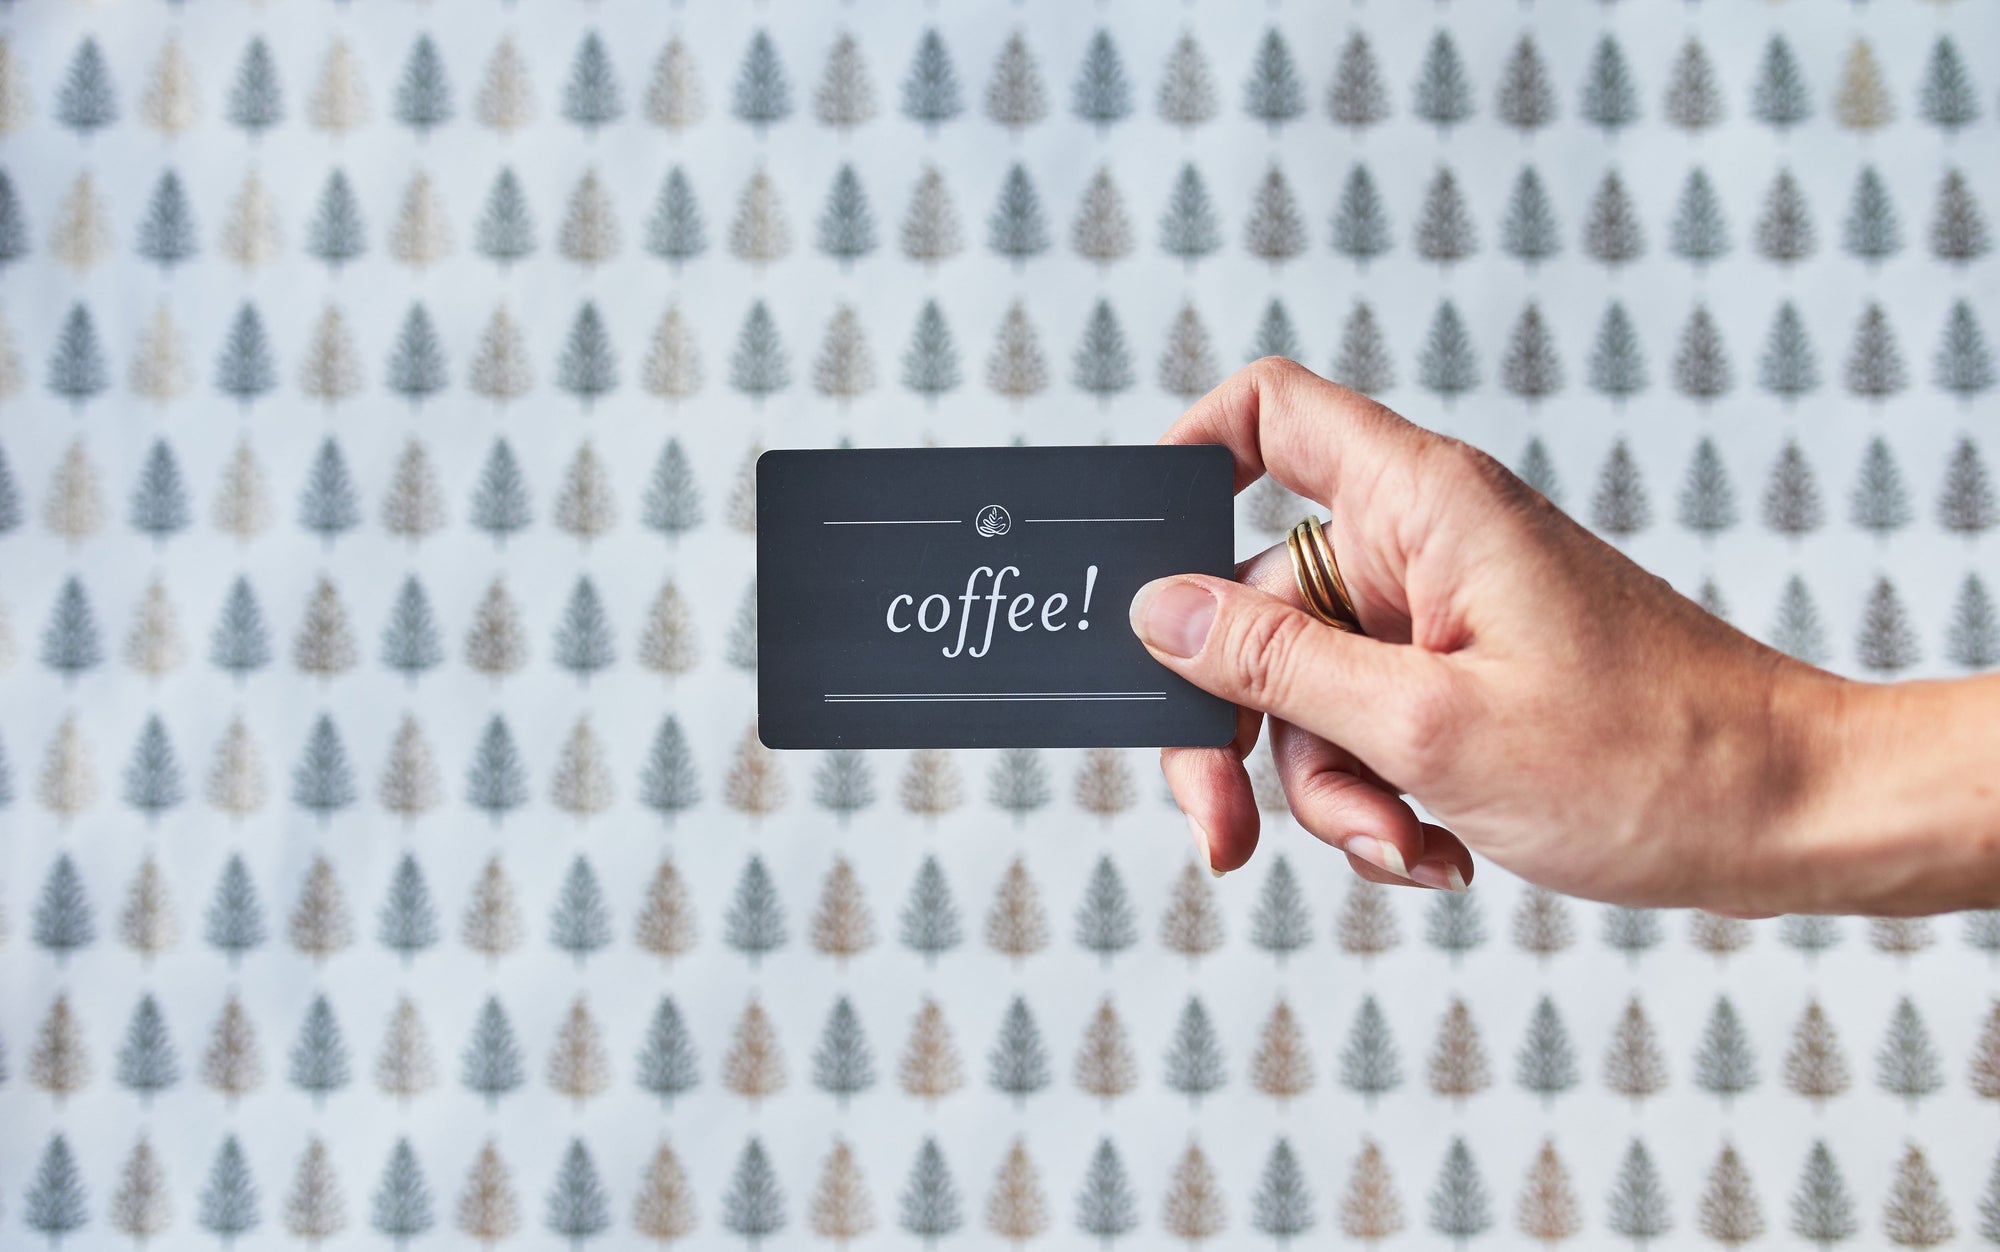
[1442, 875]
[1380, 853]
[1201, 846]
[1173, 616]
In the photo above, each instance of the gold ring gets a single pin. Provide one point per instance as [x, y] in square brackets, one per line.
[1318, 575]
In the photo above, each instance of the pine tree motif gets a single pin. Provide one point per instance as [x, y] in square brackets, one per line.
[1973, 638]
[929, 1068]
[1016, 368]
[1459, 1208]
[1729, 1212]
[664, 1209]
[1702, 370]
[331, 370]
[580, 922]
[755, 923]
[496, 646]
[1282, 923]
[1694, 96]
[1861, 101]
[1872, 231]
[1188, 226]
[674, 96]
[1537, 469]
[1797, 631]
[421, 236]
[423, 95]
[404, 1067]
[1274, 93]
[1370, 1209]
[1276, 336]
[324, 646]
[1638, 1208]
[1546, 1063]
[242, 502]
[1105, 1067]
[1947, 99]
[228, 1205]
[1018, 1064]
[1369, 1065]
[60, 1064]
[320, 926]
[1101, 93]
[1458, 1067]
[1363, 361]
[588, 367]
[1609, 101]
[506, 230]
[1443, 95]
[255, 103]
[152, 782]
[754, 1206]
[1886, 643]
[1789, 368]
[1282, 1065]
[1445, 232]
[1958, 229]
[71, 643]
[231, 1064]
[763, 94]
[1016, 229]
[1367, 925]
[676, 232]
[930, 363]
[1963, 365]
[578, 1065]
[930, 786]
[845, 98]
[846, 227]
[410, 643]
[1634, 1065]
[1617, 366]
[1102, 230]
[1699, 232]
[77, 371]
[1193, 1209]
[1549, 1211]
[1531, 369]
[74, 509]
[407, 923]
[1448, 366]
[167, 233]
[322, 783]
[591, 97]
[758, 367]
[1017, 925]
[1815, 1066]
[141, 1206]
[1530, 232]
[930, 90]
[1915, 1214]
[56, 1203]
[86, 103]
[1725, 1065]
[491, 1066]
[578, 1207]
[1016, 96]
[1707, 503]
[755, 785]
[1527, 99]
[761, 233]
[1784, 232]
[338, 102]
[329, 506]
[1105, 922]
[1611, 233]
[843, 1064]
[170, 103]
[1192, 925]
[1907, 1064]
[319, 1056]
[1875, 368]
[80, 237]
[1542, 923]
[154, 646]
[401, 1205]
[234, 923]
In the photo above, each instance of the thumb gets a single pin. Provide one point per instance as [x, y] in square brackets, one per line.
[1386, 703]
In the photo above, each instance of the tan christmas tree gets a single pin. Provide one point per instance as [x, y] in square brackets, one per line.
[840, 1206]
[15, 109]
[148, 924]
[742, 507]
[501, 371]
[1549, 1211]
[331, 370]
[231, 1065]
[414, 506]
[666, 920]
[760, 234]
[1104, 783]
[844, 367]
[171, 103]
[1916, 1215]
[506, 99]
[153, 646]
[1717, 935]
[492, 925]
[673, 96]
[1193, 922]
[242, 502]
[236, 780]
[666, 642]
[845, 98]
[320, 925]
[10, 362]
[672, 369]
[1367, 926]
[1193, 1209]
[1900, 936]
[1102, 231]
[1458, 1066]
[60, 1064]
[1634, 1066]
[159, 370]
[930, 1067]
[582, 785]
[81, 235]
[487, 1209]
[1985, 1064]
[1017, 1211]
[410, 784]
[755, 784]
[1862, 101]
[250, 232]
[1370, 1210]
[405, 1067]
[1105, 1066]
[339, 100]
[841, 924]
[930, 228]
[324, 647]
[664, 1208]
[142, 1207]
[1017, 925]
[1017, 368]
[1729, 1213]
[1542, 923]
[421, 236]
[496, 645]
[579, 1067]
[1814, 1065]
[584, 507]
[930, 786]
[315, 1209]
[589, 233]
[754, 1067]
[68, 784]
[1282, 1065]
[75, 507]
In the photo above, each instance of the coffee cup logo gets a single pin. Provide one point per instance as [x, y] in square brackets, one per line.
[993, 522]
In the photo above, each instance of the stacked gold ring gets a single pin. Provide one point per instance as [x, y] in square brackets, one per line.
[1318, 575]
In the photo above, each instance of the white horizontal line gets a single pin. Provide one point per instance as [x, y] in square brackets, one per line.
[878, 694]
[902, 521]
[1093, 519]
[1001, 697]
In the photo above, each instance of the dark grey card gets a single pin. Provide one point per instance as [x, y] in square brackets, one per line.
[976, 597]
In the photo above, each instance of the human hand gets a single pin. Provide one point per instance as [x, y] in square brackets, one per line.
[1552, 704]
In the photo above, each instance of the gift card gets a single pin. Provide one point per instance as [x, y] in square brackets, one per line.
[977, 597]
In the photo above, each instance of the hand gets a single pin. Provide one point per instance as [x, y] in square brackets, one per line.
[1553, 705]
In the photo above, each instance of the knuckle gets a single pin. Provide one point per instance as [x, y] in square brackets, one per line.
[1261, 655]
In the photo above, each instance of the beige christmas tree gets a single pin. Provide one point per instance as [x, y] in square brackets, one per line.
[142, 1207]
[487, 1209]
[1017, 367]
[1017, 1211]
[339, 100]
[930, 228]
[1370, 1210]
[236, 780]
[81, 235]
[1102, 231]
[1634, 1065]
[1900, 936]
[1105, 1066]
[1017, 925]
[10, 362]
[666, 642]
[672, 369]
[845, 97]
[492, 925]
[930, 786]
[170, 103]
[1104, 783]
[844, 367]
[250, 233]
[60, 1064]
[666, 920]
[320, 925]
[148, 924]
[673, 94]
[68, 784]
[1717, 935]
[1193, 922]
[413, 509]
[582, 784]
[1549, 1210]
[584, 507]
[842, 926]
[501, 371]
[75, 507]
[579, 1067]
[1815, 1067]
[496, 646]
[1282, 1065]
[1729, 1213]
[1458, 1066]
[405, 1068]
[840, 1206]
[324, 646]
[1187, 363]
[1862, 101]
[506, 99]
[15, 109]
[421, 236]
[1985, 1064]
[331, 369]
[242, 502]
[589, 233]
[315, 1209]
[159, 370]
[930, 1068]
[1542, 923]
[231, 1065]
[1193, 1209]
[664, 1209]
[410, 785]
[754, 1066]
[760, 233]
[153, 646]
[756, 783]
[742, 507]
[1367, 926]
[1916, 1215]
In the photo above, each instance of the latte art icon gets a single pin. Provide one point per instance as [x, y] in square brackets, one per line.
[993, 522]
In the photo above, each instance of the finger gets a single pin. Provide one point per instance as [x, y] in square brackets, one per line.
[1390, 704]
[1332, 798]
[1213, 791]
